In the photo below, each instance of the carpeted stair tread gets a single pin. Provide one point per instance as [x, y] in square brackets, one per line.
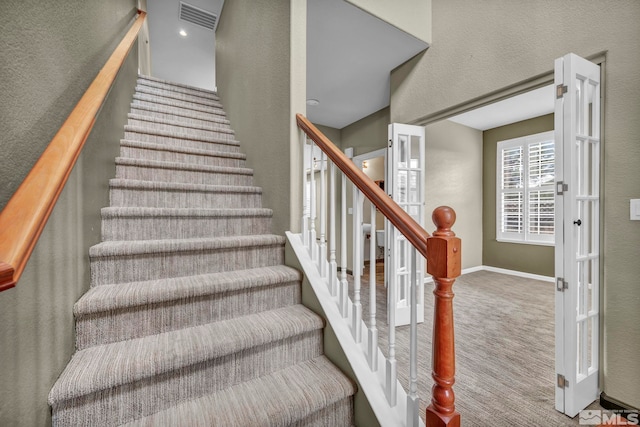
[134, 294]
[178, 135]
[139, 247]
[174, 103]
[283, 398]
[164, 112]
[169, 94]
[150, 223]
[137, 309]
[110, 365]
[163, 152]
[180, 186]
[158, 164]
[157, 82]
[195, 151]
[214, 127]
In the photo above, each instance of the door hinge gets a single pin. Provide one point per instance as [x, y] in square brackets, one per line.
[561, 90]
[390, 143]
[561, 284]
[562, 381]
[561, 187]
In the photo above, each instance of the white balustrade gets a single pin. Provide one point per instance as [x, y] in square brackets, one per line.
[320, 208]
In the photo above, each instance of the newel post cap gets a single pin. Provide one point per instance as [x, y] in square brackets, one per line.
[443, 248]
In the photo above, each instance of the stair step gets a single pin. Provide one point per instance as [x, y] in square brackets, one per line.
[154, 170]
[105, 314]
[311, 393]
[163, 112]
[139, 260]
[164, 153]
[141, 376]
[131, 223]
[178, 96]
[134, 193]
[177, 124]
[177, 87]
[172, 103]
[224, 142]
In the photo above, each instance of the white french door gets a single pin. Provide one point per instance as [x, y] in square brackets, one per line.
[577, 252]
[404, 182]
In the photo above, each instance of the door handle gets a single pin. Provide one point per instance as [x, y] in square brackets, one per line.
[578, 222]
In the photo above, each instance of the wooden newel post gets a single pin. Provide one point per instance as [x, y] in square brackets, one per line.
[443, 255]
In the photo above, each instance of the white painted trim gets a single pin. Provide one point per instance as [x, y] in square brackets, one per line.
[370, 155]
[540, 277]
[518, 273]
[371, 383]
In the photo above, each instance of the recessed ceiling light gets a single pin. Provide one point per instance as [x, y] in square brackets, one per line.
[183, 33]
[313, 102]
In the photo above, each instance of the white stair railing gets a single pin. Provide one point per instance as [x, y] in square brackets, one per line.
[319, 231]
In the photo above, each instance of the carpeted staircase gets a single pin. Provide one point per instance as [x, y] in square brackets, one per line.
[192, 319]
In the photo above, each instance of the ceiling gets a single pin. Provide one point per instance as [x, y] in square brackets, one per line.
[350, 55]
[186, 59]
[535, 103]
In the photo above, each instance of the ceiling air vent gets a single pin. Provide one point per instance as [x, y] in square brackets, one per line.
[197, 16]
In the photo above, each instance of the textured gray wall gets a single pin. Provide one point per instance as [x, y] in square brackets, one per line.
[255, 71]
[482, 47]
[49, 55]
[533, 259]
[453, 177]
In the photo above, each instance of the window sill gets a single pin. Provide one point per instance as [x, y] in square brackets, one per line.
[524, 242]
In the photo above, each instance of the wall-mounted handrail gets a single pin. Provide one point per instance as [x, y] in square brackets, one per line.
[27, 212]
[400, 219]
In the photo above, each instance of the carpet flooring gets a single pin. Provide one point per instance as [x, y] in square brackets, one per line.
[504, 329]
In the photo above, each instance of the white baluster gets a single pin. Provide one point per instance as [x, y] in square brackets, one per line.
[412, 395]
[313, 252]
[322, 255]
[391, 385]
[356, 325]
[373, 330]
[333, 266]
[305, 195]
[344, 285]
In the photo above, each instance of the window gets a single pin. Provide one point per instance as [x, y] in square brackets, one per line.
[525, 189]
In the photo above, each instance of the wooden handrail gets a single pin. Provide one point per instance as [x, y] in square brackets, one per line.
[400, 219]
[25, 215]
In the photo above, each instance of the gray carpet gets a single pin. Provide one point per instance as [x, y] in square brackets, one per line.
[192, 319]
[504, 349]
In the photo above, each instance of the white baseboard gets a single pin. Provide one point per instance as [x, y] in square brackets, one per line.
[501, 271]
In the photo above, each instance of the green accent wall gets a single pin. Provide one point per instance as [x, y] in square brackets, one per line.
[535, 259]
[51, 52]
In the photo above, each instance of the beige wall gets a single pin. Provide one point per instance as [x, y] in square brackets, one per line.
[453, 177]
[533, 259]
[479, 48]
[411, 16]
[44, 78]
[260, 69]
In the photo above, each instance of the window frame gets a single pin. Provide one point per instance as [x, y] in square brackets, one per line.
[524, 237]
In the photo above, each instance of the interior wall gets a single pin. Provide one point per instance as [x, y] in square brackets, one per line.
[411, 16]
[453, 176]
[535, 259]
[51, 52]
[364, 136]
[255, 76]
[37, 336]
[480, 48]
